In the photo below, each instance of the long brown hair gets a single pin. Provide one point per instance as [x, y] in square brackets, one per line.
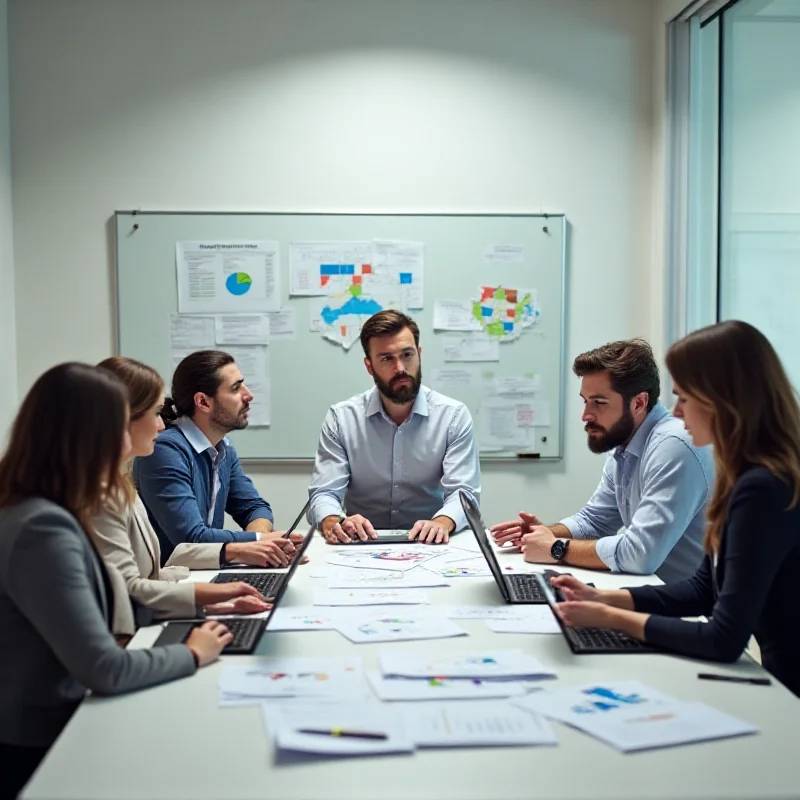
[143, 383]
[733, 370]
[66, 441]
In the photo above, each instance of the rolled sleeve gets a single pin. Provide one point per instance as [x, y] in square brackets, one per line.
[331, 475]
[674, 491]
[600, 516]
[461, 469]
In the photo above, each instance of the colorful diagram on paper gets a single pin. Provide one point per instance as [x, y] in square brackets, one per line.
[238, 283]
[601, 699]
[397, 625]
[505, 313]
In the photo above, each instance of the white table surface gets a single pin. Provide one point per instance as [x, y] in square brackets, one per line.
[172, 741]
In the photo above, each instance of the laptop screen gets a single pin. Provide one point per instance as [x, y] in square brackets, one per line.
[478, 528]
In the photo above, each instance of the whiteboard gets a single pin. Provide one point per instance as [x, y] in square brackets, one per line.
[309, 374]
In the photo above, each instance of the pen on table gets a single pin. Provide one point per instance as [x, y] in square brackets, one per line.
[344, 732]
[710, 676]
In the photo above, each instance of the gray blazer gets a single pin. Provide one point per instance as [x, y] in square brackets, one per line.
[55, 617]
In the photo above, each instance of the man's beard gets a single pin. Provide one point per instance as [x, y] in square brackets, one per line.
[223, 420]
[398, 392]
[619, 433]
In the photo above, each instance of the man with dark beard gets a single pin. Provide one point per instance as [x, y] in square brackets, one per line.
[396, 455]
[648, 513]
[194, 475]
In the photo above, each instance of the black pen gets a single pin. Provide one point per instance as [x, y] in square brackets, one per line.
[710, 676]
[344, 732]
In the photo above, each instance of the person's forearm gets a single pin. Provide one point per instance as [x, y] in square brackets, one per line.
[448, 524]
[618, 598]
[260, 525]
[583, 553]
[630, 622]
[560, 531]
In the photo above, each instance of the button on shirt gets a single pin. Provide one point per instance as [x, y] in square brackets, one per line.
[656, 490]
[394, 474]
[202, 444]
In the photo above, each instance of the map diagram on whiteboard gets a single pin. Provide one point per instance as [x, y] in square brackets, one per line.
[505, 313]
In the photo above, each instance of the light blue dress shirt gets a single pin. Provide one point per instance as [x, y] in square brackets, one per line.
[393, 474]
[655, 490]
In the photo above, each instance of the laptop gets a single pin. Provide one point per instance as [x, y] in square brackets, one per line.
[390, 536]
[591, 640]
[235, 565]
[247, 632]
[517, 589]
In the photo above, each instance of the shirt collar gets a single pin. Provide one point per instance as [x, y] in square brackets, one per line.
[375, 406]
[636, 445]
[197, 439]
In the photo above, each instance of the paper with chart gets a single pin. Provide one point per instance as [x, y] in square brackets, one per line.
[454, 315]
[292, 677]
[227, 277]
[488, 664]
[369, 597]
[397, 625]
[241, 329]
[505, 313]
[469, 567]
[302, 618]
[476, 723]
[254, 365]
[632, 729]
[438, 689]
[191, 333]
[452, 381]
[482, 612]
[504, 254]
[346, 578]
[471, 347]
[399, 557]
[356, 280]
[308, 728]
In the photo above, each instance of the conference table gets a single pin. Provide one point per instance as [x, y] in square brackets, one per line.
[173, 741]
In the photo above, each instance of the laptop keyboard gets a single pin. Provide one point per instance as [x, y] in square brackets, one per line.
[266, 582]
[245, 634]
[524, 587]
[603, 639]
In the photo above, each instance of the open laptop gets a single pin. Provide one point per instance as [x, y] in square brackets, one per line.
[515, 588]
[247, 632]
[390, 536]
[591, 640]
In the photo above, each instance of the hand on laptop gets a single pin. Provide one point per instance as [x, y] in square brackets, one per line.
[573, 590]
[536, 545]
[353, 527]
[278, 536]
[432, 531]
[513, 531]
[209, 593]
[241, 605]
[263, 553]
[207, 640]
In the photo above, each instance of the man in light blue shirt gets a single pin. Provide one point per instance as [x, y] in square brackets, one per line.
[648, 513]
[397, 455]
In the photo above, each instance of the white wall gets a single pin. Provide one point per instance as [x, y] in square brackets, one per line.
[429, 105]
[8, 338]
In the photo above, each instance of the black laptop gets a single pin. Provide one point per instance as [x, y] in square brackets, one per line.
[247, 632]
[516, 588]
[390, 536]
[591, 640]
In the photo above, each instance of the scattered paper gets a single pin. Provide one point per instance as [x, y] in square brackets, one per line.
[499, 428]
[452, 380]
[326, 268]
[471, 567]
[191, 333]
[394, 689]
[504, 313]
[474, 347]
[309, 728]
[398, 558]
[347, 578]
[395, 625]
[283, 325]
[475, 723]
[242, 329]
[227, 277]
[480, 612]
[504, 254]
[404, 262]
[301, 618]
[534, 619]
[454, 315]
[254, 364]
[369, 597]
[483, 664]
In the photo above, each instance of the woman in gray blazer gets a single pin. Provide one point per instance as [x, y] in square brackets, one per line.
[56, 600]
[126, 539]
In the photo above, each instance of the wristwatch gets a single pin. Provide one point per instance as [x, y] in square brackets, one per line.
[558, 550]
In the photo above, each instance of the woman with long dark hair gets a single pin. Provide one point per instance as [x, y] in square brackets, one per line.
[56, 601]
[732, 392]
